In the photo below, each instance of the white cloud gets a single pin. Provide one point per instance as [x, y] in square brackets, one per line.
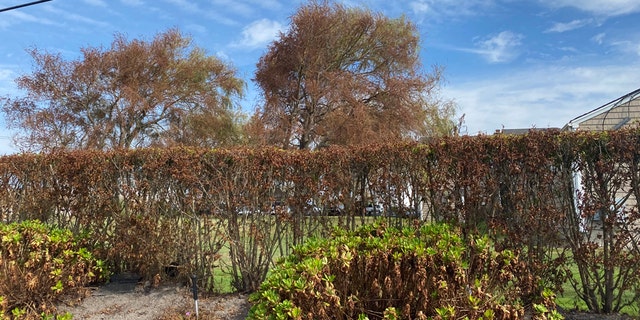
[7, 75]
[268, 4]
[97, 3]
[607, 8]
[17, 16]
[420, 7]
[502, 47]
[568, 26]
[448, 8]
[259, 33]
[235, 7]
[198, 28]
[223, 56]
[132, 3]
[185, 5]
[627, 47]
[215, 13]
[541, 96]
[568, 49]
[75, 18]
[7, 88]
[599, 38]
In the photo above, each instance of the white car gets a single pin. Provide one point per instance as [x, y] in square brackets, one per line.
[374, 209]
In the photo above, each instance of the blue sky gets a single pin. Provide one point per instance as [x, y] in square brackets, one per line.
[508, 63]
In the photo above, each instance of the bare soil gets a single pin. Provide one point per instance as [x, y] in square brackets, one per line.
[126, 298]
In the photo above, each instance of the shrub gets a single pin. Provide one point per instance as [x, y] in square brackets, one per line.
[377, 272]
[39, 263]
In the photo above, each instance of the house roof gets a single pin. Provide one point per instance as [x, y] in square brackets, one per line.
[520, 131]
[602, 109]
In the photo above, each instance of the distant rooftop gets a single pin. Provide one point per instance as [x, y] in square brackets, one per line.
[522, 130]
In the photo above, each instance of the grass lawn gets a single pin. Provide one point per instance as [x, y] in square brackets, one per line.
[569, 300]
[222, 277]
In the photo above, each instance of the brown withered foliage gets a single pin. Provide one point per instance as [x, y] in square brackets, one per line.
[347, 76]
[604, 236]
[235, 210]
[135, 93]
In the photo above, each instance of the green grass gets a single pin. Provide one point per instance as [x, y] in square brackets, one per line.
[222, 278]
[568, 300]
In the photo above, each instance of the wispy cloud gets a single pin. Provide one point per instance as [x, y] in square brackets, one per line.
[6, 75]
[189, 6]
[607, 8]
[74, 18]
[568, 26]
[259, 33]
[627, 47]
[97, 3]
[420, 7]
[568, 49]
[529, 97]
[132, 3]
[16, 17]
[448, 8]
[499, 48]
[215, 13]
[599, 38]
[7, 88]
[268, 4]
[198, 28]
[235, 7]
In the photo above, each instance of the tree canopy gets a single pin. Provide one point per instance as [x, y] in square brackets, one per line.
[134, 94]
[346, 76]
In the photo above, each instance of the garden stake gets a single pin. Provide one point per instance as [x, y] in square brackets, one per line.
[195, 292]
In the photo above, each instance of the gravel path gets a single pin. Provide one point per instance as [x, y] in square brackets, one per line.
[125, 298]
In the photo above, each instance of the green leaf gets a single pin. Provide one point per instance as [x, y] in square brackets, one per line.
[58, 287]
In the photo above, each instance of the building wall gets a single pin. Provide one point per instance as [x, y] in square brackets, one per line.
[627, 113]
[610, 119]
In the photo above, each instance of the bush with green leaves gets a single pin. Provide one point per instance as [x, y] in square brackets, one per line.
[40, 263]
[379, 272]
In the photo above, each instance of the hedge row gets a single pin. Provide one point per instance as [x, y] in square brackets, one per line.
[237, 209]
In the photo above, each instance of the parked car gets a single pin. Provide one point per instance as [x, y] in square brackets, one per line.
[280, 208]
[336, 210]
[374, 209]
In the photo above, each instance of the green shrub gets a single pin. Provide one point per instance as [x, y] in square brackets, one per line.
[378, 272]
[39, 263]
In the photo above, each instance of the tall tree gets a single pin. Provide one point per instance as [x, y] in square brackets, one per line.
[136, 93]
[347, 76]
